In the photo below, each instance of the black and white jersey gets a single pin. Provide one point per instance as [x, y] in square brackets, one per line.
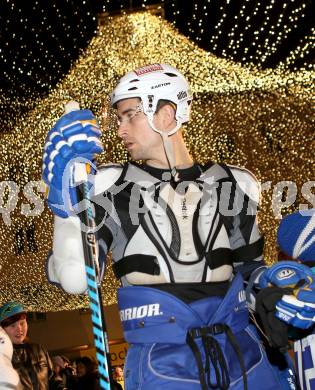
[199, 229]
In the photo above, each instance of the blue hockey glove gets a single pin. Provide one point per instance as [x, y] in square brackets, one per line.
[297, 309]
[296, 312]
[287, 274]
[74, 138]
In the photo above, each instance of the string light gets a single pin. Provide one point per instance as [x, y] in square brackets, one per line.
[279, 31]
[229, 29]
[233, 42]
[218, 26]
[40, 33]
[303, 49]
[251, 32]
[241, 115]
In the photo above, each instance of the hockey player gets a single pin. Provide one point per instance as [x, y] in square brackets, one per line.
[9, 378]
[183, 238]
[296, 238]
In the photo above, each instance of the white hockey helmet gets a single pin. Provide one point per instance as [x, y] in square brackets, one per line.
[152, 83]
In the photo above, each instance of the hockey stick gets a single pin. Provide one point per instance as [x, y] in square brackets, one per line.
[92, 271]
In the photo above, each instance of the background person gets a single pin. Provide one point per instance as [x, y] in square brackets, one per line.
[58, 380]
[68, 372]
[87, 374]
[118, 376]
[295, 311]
[30, 360]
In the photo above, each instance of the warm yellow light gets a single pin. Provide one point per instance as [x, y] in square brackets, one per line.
[242, 116]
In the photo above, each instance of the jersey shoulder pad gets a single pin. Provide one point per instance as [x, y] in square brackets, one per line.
[247, 182]
[213, 173]
[138, 175]
[106, 176]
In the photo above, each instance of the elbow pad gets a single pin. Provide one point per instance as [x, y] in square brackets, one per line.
[65, 266]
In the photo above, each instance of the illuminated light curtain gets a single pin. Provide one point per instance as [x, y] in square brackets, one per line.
[242, 116]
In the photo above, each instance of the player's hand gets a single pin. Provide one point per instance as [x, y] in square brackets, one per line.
[296, 312]
[75, 138]
[297, 309]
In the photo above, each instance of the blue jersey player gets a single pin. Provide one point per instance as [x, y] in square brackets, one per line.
[296, 238]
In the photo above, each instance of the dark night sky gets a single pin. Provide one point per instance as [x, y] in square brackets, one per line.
[40, 39]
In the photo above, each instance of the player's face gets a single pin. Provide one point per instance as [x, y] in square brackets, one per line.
[17, 331]
[139, 139]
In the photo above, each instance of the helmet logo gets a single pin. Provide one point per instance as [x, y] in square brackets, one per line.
[148, 69]
[181, 95]
[160, 85]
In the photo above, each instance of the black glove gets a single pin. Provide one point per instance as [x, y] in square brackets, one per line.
[276, 330]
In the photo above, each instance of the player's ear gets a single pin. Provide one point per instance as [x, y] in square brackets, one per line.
[168, 115]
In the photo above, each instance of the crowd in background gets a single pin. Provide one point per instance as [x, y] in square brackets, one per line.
[82, 374]
[35, 368]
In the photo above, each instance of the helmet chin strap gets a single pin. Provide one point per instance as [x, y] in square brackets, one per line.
[168, 145]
